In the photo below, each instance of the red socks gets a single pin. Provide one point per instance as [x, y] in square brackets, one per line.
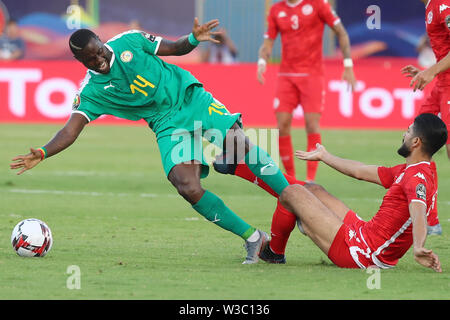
[311, 166]
[283, 221]
[287, 154]
[243, 171]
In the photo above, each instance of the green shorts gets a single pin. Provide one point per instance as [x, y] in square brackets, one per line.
[200, 116]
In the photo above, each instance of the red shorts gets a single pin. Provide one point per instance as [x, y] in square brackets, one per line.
[308, 91]
[349, 249]
[438, 102]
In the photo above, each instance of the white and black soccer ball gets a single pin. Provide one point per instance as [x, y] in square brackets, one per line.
[31, 238]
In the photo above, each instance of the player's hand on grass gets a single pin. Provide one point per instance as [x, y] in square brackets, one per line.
[203, 32]
[349, 76]
[427, 258]
[26, 162]
[314, 155]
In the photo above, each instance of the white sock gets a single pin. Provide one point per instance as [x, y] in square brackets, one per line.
[254, 237]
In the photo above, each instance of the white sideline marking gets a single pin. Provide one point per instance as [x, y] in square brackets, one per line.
[84, 193]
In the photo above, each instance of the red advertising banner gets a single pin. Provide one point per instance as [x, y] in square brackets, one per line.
[35, 91]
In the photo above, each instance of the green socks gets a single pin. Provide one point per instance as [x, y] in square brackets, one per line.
[261, 164]
[214, 209]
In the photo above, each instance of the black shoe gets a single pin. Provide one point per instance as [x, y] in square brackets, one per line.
[269, 256]
[221, 165]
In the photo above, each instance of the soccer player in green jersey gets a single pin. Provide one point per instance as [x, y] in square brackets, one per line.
[127, 79]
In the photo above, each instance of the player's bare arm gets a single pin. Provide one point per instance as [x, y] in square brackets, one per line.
[351, 168]
[183, 46]
[265, 51]
[423, 256]
[63, 139]
[344, 44]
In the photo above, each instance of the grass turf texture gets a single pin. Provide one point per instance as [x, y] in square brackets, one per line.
[114, 214]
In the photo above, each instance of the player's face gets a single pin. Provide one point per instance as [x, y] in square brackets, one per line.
[405, 148]
[95, 56]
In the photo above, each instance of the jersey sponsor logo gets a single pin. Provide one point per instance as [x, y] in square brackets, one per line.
[282, 14]
[351, 234]
[442, 7]
[400, 178]
[126, 56]
[108, 86]
[307, 9]
[267, 166]
[420, 175]
[276, 103]
[430, 17]
[76, 102]
[149, 36]
[421, 192]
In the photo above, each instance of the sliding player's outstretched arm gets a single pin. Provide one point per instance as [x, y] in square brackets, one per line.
[423, 256]
[351, 168]
[186, 44]
[63, 139]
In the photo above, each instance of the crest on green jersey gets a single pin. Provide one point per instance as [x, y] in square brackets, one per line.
[447, 21]
[126, 56]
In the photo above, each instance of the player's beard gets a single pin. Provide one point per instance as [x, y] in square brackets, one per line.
[404, 151]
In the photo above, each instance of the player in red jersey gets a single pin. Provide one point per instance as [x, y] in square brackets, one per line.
[346, 239]
[300, 79]
[283, 221]
[437, 15]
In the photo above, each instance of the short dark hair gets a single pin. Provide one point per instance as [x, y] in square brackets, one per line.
[432, 131]
[79, 39]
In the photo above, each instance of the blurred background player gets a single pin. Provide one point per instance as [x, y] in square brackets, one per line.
[224, 52]
[425, 57]
[437, 21]
[300, 79]
[12, 46]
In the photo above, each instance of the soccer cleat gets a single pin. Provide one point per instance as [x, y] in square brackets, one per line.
[269, 256]
[435, 230]
[221, 165]
[254, 248]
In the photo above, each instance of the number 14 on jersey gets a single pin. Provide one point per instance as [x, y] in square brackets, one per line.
[139, 84]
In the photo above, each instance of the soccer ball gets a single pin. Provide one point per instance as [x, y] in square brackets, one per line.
[31, 238]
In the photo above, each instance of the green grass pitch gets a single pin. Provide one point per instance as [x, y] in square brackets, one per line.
[116, 217]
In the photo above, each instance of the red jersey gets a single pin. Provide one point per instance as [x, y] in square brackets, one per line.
[301, 27]
[437, 17]
[389, 233]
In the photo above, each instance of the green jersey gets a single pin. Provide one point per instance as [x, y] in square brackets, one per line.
[139, 85]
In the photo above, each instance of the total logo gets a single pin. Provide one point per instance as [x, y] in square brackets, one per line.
[374, 102]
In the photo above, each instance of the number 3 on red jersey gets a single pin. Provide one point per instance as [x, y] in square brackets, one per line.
[295, 24]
